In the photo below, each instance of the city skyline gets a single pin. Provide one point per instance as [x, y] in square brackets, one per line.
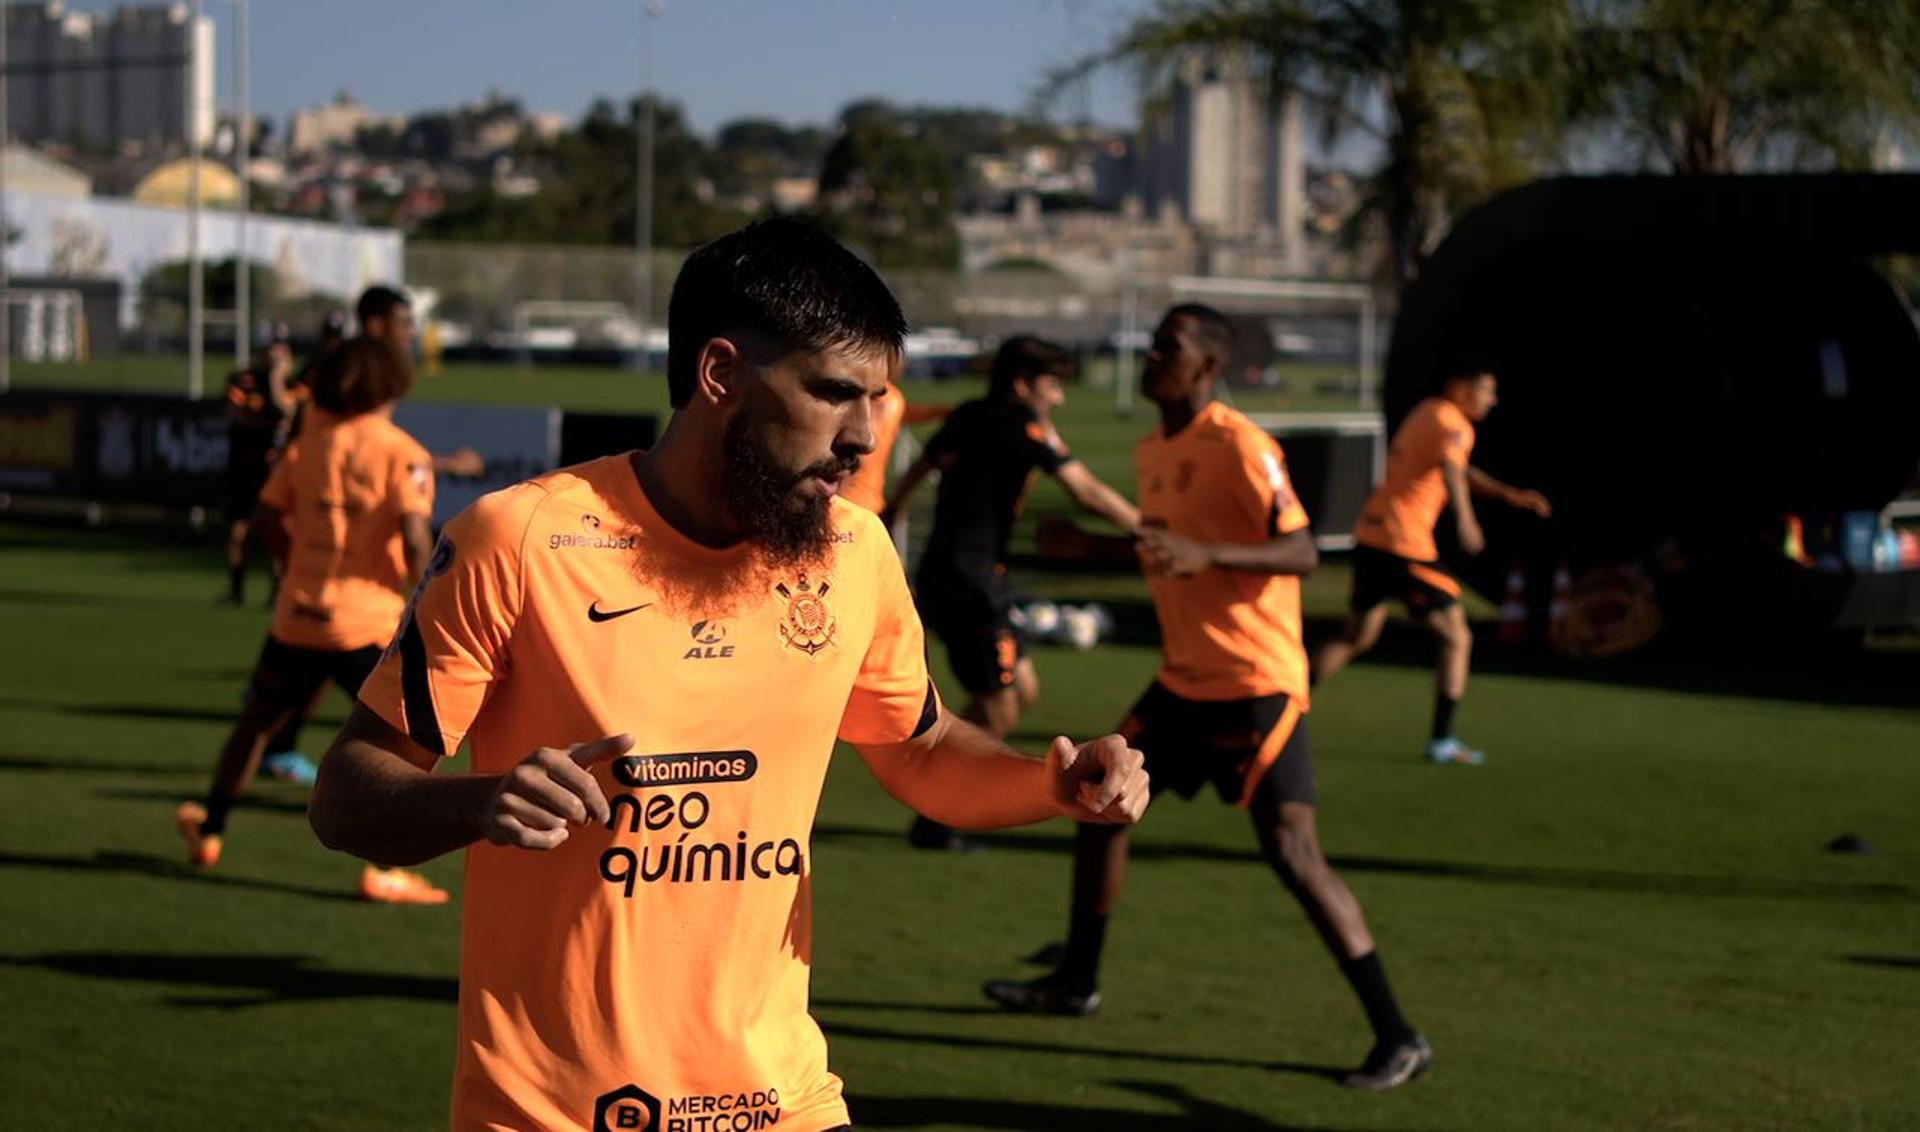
[800, 65]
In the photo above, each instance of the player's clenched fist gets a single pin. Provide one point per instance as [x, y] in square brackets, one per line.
[537, 803]
[1101, 781]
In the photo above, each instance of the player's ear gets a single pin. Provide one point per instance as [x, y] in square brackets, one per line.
[719, 370]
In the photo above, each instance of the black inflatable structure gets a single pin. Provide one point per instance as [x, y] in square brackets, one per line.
[1683, 362]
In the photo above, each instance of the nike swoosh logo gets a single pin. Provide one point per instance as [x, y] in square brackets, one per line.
[595, 613]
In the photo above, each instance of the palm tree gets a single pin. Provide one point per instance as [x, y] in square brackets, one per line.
[1728, 86]
[1462, 96]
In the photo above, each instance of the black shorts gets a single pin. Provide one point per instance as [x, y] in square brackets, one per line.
[287, 676]
[1423, 587]
[971, 613]
[1233, 744]
[245, 478]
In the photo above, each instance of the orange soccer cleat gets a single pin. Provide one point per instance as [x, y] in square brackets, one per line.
[398, 886]
[203, 849]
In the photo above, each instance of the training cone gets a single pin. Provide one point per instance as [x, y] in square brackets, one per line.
[1513, 610]
[1562, 597]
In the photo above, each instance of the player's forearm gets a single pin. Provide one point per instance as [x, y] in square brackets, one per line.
[1111, 506]
[959, 775]
[1286, 555]
[1460, 493]
[903, 491]
[375, 805]
[1480, 483]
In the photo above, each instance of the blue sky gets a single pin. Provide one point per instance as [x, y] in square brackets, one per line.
[795, 60]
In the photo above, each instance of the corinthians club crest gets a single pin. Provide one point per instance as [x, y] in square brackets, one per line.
[808, 624]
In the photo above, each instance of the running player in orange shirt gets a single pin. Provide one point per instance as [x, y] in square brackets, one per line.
[1224, 547]
[1397, 559]
[347, 509]
[649, 658]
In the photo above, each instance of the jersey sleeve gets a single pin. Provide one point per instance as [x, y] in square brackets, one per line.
[1269, 494]
[1452, 440]
[277, 492]
[452, 645]
[411, 480]
[1043, 447]
[950, 437]
[893, 698]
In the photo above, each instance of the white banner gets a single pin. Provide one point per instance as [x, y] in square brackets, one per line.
[107, 237]
[516, 443]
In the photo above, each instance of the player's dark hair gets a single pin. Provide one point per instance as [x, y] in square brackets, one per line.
[359, 376]
[1465, 367]
[783, 281]
[1025, 357]
[378, 302]
[1210, 327]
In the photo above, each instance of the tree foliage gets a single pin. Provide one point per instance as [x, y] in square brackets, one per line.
[1729, 86]
[1469, 96]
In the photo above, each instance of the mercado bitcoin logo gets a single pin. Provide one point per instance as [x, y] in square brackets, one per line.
[628, 1107]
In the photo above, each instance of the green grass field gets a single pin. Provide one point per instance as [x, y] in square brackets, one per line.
[1625, 921]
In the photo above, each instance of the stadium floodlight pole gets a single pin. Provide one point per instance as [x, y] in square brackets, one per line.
[650, 10]
[195, 342]
[242, 281]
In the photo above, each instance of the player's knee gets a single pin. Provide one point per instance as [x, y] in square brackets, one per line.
[1298, 856]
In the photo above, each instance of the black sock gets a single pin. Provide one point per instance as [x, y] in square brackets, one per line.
[1080, 966]
[1369, 980]
[236, 581]
[218, 803]
[1443, 715]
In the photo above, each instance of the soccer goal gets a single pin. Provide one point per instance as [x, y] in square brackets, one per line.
[47, 324]
[1304, 345]
[1305, 370]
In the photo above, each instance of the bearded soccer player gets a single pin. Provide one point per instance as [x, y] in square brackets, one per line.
[1397, 558]
[649, 657]
[357, 493]
[1224, 544]
[986, 454]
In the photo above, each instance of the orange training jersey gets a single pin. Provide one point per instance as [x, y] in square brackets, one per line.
[343, 487]
[868, 487]
[1400, 514]
[1225, 634]
[654, 971]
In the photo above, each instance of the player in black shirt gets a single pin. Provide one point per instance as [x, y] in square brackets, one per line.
[986, 453]
[258, 405]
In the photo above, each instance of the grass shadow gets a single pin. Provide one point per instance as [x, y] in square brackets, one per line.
[34, 763]
[159, 868]
[253, 980]
[1537, 876]
[1890, 962]
[1028, 1045]
[253, 800]
[979, 1112]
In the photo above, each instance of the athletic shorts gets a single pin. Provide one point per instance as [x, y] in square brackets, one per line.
[1423, 587]
[1233, 744]
[971, 614]
[287, 676]
[245, 478]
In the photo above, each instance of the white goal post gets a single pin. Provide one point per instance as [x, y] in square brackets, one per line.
[1253, 296]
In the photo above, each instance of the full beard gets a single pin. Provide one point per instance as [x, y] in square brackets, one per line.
[782, 514]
